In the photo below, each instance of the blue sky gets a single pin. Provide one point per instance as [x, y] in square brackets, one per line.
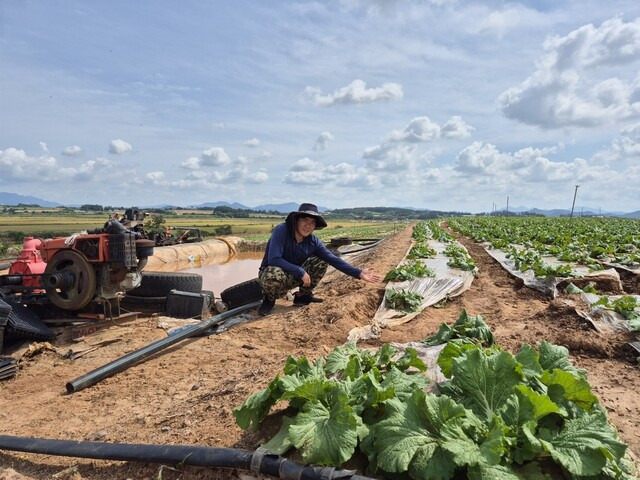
[433, 104]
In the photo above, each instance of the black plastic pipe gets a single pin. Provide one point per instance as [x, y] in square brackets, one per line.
[365, 247]
[259, 461]
[125, 362]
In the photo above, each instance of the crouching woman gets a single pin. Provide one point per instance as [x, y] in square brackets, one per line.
[295, 257]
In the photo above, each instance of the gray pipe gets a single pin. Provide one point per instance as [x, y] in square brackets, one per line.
[260, 461]
[125, 362]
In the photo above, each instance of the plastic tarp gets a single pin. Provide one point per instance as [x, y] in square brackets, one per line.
[429, 355]
[605, 320]
[175, 257]
[635, 269]
[448, 282]
[549, 284]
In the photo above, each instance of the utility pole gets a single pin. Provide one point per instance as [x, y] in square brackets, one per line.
[507, 204]
[575, 193]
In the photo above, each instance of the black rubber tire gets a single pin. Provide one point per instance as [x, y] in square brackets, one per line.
[133, 303]
[242, 294]
[159, 284]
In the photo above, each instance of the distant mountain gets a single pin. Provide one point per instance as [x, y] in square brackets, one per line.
[550, 213]
[12, 199]
[270, 207]
[565, 212]
[635, 214]
[283, 207]
[222, 204]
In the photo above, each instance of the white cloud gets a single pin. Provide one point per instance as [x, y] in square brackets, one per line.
[355, 93]
[72, 150]
[456, 128]
[305, 178]
[566, 89]
[258, 177]
[305, 165]
[624, 148]
[119, 147]
[323, 141]
[156, 176]
[191, 163]
[391, 158]
[527, 165]
[308, 172]
[628, 142]
[197, 175]
[214, 157]
[17, 165]
[420, 129]
[510, 18]
[252, 143]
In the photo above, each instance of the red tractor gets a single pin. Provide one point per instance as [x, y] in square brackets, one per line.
[74, 271]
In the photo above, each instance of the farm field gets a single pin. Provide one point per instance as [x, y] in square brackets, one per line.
[256, 228]
[187, 395]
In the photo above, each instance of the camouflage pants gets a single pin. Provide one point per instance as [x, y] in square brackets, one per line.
[276, 282]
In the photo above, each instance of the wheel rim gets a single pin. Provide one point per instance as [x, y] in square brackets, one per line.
[83, 286]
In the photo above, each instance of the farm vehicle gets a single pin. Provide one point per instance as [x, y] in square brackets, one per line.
[167, 235]
[73, 273]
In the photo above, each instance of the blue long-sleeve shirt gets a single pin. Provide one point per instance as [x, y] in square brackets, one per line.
[283, 251]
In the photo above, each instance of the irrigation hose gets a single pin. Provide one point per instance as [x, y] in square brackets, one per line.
[126, 361]
[259, 461]
[366, 247]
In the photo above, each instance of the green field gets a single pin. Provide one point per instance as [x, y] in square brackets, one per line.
[51, 222]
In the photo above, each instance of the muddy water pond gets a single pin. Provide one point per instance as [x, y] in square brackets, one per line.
[218, 276]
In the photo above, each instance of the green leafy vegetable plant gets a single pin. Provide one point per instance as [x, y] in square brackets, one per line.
[421, 232]
[588, 288]
[459, 258]
[331, 400]
[409, 271]
[625, 306]
[497, 416]
[403, 300]
[467, 327]
[421, 250]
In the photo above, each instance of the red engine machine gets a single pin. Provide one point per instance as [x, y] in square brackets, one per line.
[74, 271]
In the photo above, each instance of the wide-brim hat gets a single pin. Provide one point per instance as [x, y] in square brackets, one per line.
[308, 210]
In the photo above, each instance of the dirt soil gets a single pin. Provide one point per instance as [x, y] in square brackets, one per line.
[185, 395]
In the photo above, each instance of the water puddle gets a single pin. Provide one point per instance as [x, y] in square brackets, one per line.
[219, 276]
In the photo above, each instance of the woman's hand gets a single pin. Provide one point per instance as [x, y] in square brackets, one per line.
[368, 275]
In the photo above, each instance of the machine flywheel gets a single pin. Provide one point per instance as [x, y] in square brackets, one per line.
[70, 280]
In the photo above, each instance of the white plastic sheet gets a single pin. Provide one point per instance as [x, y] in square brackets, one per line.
[605, 320]
[547, 284]
[448, 283]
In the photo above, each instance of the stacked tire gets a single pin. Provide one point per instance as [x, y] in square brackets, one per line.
[151, 295]
[242, 294]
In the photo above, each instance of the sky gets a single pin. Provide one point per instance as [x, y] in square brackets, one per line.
[437, 104]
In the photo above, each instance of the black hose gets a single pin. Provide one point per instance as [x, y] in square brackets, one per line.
[366, 247]
[259, 461]
[123, 363]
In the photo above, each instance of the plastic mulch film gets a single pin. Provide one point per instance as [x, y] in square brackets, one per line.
[448, 282]
[605, 320]
[548, 285]
[429, 355]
